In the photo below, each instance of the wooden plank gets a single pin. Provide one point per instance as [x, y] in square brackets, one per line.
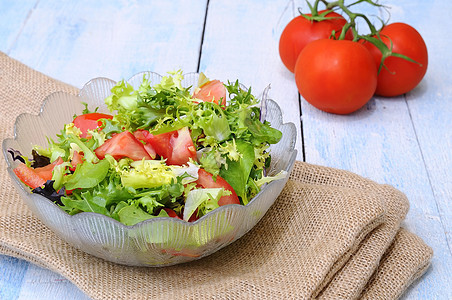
[383, 142]
[244, 45]
[429, 105]
[76, 41]
[431, 114]
[395, 141]
[12, 270]
[13, 18]
[14, 15]
[41, 283]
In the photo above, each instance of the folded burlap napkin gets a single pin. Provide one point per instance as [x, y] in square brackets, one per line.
[331, 234]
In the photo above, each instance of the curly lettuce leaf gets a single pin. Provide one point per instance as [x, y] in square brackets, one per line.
[211, 119]
[160, 106]
[147, 174]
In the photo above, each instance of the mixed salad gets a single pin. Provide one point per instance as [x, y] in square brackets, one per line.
[162, 152]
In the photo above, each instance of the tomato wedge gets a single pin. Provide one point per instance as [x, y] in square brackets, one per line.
[122, 145]
[77, 158]
[206, 180]
[171, 213]
[212, 91]
[28, 176]
[176, 147]
[46, 171]
[89, 122]
[145, 136]
[182, 252]
[161, 144]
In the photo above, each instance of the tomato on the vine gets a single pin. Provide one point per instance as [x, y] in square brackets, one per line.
[336, 76]
[300, 31]
[399, 75]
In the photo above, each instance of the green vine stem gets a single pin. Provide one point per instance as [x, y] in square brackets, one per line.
[373, 37]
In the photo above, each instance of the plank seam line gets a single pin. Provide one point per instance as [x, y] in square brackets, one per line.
[303, 152]
[8, 51]
[202, 36]
[428, 177]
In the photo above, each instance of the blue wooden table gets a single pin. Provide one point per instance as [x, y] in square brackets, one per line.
[404, 141]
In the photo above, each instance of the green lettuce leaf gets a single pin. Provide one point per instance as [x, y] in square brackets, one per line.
[238, 172]
[131, 215]
[85, 202]
[202, 199]
[88, 175]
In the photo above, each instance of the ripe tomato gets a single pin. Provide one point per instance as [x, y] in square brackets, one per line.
[89, 122]
[122, 145]
[28, 176]
[336, 76]
[401, 76]
[212, 91]
[300, 32]
[176, 146]
[206, 180]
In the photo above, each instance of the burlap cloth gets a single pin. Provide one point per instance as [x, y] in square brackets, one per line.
[330, 235]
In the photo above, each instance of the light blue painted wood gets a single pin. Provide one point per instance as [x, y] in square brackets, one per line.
[13, 17]
[76, 41]
[404, 141]
[12, 272]
[430, 105]
[379, 142]
[396, 141]
[243, 45]
[45, 284]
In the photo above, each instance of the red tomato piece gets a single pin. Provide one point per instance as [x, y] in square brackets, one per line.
[28, 176]
[400, 76]
[176, 147]
[182, 252]
[89, 122]
[145, 136]
[206, 180]
[299, 32]
[77, 158]
[212, 91]
[183, 147]
[46, 171]
[161, 144]
[336, 76]
[122, 145]
[194, 216]
[171, 213]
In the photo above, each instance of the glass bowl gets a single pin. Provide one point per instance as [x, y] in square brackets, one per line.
[154, 242]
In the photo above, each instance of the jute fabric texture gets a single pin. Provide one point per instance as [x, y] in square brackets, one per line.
[331, 234]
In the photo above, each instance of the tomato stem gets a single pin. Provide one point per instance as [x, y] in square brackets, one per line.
[374, 35]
